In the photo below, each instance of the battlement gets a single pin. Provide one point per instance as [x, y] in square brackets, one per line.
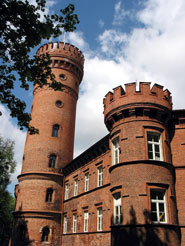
[146, 95]
[62, 49]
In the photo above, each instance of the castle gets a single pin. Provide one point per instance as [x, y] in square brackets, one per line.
[126, 189]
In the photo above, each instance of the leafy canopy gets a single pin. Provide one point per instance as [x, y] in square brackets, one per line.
[21, 29]
[7, 162]
[7, 202]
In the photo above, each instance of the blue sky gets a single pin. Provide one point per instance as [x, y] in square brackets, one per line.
[122, 41]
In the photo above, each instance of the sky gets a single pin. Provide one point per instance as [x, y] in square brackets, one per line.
[123, 41]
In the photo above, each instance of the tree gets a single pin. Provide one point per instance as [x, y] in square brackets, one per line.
[7, 162]
[21, 29]
[7, 202]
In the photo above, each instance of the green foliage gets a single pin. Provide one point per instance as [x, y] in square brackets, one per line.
[7, 202]
[7, 162]
[21, 29]
[7, 206]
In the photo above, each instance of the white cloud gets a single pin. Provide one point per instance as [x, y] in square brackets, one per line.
[120, 14]
[155, 52]
[101, 23]
[9, 131]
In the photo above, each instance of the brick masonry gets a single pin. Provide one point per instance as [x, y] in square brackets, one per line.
[129, 116]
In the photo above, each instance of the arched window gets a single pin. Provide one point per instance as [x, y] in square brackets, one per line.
[22, 232]
[55, 130]
[49, 194]
[45, 234]
[52, 161]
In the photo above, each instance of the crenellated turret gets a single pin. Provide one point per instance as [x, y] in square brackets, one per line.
[121, 103]
[142, 167]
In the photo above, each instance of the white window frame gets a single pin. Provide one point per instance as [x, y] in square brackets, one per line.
[86, 182]
[86, 218]
[100, 176]
[115, 151]
[154, 144]
[99, 219]
[65, 225]
[76, 187]
[74, 223]
[158, 202]
[117, 208]
[66, 191]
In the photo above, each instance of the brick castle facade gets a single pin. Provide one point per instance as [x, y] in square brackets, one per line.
[126, 189]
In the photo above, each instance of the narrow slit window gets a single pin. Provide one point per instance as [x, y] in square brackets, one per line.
[49, 195]
[52, 161]
[45, 234]
[55, 130]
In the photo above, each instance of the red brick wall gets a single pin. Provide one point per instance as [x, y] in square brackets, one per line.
[178, 156]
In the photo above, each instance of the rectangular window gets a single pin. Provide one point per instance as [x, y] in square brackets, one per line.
[86, 217]
[65, 224]
[99, 219]
[76, 187]
[158, 206]
[115, 151]
[154, 146]
[74, 223]
[100, 176]
[117, 209]
[86, 182]
[66, 191]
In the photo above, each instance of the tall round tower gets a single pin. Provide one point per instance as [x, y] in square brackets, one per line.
[141, 174]
[39, 193]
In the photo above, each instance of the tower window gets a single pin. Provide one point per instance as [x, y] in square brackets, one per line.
[59, 103]
[154, 146]
[158, 206]
[117, 209]
[52, 161]
[62, 76]
[100, 176]
[45, 234]
[55, 130]
[115, 151]
[49, 194]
